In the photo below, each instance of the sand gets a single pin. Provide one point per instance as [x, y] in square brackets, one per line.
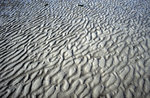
[74, 49]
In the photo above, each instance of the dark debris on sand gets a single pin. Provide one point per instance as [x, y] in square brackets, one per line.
[81, 5]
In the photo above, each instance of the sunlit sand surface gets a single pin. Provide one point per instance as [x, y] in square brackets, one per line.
[74, 49]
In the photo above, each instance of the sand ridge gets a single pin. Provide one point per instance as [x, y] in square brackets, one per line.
[59, 49]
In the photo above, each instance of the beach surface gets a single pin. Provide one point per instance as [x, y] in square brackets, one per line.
[74, 49]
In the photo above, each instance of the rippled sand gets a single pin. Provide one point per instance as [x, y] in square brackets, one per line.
[74, 49]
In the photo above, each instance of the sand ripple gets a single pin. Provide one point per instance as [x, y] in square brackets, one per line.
[72, 49]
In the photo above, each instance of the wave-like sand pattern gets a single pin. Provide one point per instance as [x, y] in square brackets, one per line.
[72, 49]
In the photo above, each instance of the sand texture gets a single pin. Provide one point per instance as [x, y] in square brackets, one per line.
[74, 48]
